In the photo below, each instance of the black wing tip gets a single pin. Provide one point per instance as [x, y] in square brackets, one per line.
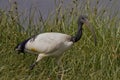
[21, 46]
[16, 47]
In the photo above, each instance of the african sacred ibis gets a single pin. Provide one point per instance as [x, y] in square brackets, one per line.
[52, 43]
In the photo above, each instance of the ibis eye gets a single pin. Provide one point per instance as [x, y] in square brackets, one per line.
[83, 18]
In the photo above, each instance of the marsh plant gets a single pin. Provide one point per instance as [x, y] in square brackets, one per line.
[84, 61]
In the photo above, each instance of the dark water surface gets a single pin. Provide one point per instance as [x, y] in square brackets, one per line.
[48, 6]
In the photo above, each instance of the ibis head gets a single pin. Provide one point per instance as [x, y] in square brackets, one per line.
[83, 19]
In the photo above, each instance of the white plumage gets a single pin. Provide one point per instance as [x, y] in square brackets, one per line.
[49, 44]
[52, 43]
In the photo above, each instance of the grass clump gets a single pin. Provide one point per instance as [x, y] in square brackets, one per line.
[83, 61]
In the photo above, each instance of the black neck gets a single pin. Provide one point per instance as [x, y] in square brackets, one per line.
[78, 34]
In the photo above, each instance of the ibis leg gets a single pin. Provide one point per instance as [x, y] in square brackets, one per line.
[58, 60]
[60, 69]
[33, 65]
[40, 56]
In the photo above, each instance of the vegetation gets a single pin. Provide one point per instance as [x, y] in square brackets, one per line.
[84, 61]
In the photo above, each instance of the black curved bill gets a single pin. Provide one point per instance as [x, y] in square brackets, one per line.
[92, 31]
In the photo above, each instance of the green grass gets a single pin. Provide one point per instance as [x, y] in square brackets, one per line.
[84, 61]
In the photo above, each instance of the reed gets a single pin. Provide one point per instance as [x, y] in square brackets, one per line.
[84, 61]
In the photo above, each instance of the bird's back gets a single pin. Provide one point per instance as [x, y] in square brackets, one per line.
[48, 42]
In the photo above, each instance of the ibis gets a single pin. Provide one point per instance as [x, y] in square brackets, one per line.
[53, 43]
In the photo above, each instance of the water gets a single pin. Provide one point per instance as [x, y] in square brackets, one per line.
[48, 6]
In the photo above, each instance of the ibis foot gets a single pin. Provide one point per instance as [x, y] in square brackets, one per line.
[32, 65]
